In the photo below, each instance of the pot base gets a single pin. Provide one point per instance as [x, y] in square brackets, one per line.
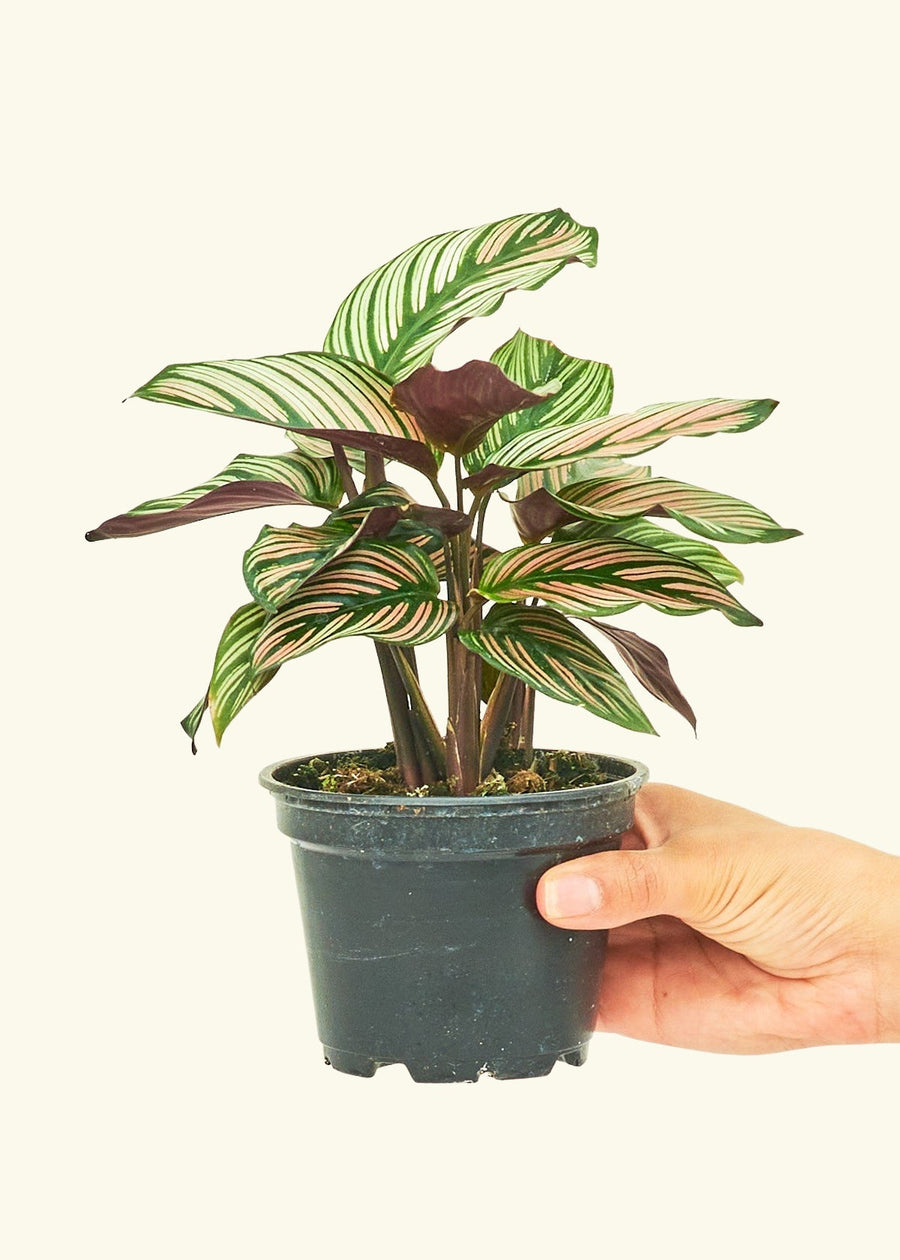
[446, 1073]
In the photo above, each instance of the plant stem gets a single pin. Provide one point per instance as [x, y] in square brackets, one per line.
[375, 473]
[479, 541]
[526, 738]
[493, 724]
[439, 491]
[344, 471]
[401, 719]
[514, 718]
[463, 667]
[430, 741]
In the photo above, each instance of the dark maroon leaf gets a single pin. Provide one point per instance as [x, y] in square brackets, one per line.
[650, 667]
[490, 477]
[404, 450]
[381, 520]
[455, 409]
[448, 521]
[538, 515]
[238, 496]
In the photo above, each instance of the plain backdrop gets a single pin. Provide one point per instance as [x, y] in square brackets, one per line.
[189, 181]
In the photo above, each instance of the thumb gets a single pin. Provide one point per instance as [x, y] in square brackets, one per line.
[605, 890]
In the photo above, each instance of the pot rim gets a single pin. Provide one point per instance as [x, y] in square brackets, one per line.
[627, 785]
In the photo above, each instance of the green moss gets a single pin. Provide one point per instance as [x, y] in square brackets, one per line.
[375, 773]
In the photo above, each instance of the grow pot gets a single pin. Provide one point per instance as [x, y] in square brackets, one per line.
[425, 946]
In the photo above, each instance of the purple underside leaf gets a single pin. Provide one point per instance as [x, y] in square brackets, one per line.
[650, 667]
[239, 496]
[446, 521]
[403, 450]
[455, 409]
[491, 477]
[538, 515]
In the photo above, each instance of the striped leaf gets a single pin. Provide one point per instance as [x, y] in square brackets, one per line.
[540, 512]
[234, 682]
[631, 433]
[336, 398]
[320, 448]
[397, 315]
[596, 578]
[191, 723]
[650, 535]
[357, 510]
[581, 470]
[281, 560]
[650, 666]
[383, 590]
[547, 652]
[585, 391]
[716, 516]
[249, 481]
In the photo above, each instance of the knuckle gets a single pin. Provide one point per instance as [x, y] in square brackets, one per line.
[642, 882]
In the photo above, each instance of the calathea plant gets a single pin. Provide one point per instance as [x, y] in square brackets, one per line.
[533, 424]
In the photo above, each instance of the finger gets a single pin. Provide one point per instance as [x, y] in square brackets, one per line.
[605, 890]
[663, 811]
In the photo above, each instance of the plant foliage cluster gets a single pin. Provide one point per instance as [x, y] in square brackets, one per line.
[532, 425]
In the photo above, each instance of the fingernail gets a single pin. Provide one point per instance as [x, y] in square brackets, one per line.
[569, 896]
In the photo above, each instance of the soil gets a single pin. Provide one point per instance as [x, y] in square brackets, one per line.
[371, 773]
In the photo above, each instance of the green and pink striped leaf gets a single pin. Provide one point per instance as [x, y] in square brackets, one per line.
[320, 448]
[596, 578]
[356, 512]
[383, 590]
[649, 534]
[547, 652]
[397, 315]
[584, 390]
[234, 682]
[249, 481]
[281, 560]
[705, 512]
[330, 397]
[540, 512]
[631, 433]
[560, 475]
[650, 667]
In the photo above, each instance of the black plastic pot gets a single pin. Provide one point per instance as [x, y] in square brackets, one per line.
[425, 946]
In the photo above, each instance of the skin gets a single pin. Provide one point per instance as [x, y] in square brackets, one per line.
[735, 933]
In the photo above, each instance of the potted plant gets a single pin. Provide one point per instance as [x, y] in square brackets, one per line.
[417, 864]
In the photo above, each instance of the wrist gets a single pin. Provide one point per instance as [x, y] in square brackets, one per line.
[887, 953]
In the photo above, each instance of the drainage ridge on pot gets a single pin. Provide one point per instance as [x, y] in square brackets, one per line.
[425, 945]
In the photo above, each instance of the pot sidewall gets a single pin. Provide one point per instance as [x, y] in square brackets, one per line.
[424, 942]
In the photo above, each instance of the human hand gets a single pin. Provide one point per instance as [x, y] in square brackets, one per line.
[735, 933]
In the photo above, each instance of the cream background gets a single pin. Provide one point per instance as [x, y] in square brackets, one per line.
[202, 181]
